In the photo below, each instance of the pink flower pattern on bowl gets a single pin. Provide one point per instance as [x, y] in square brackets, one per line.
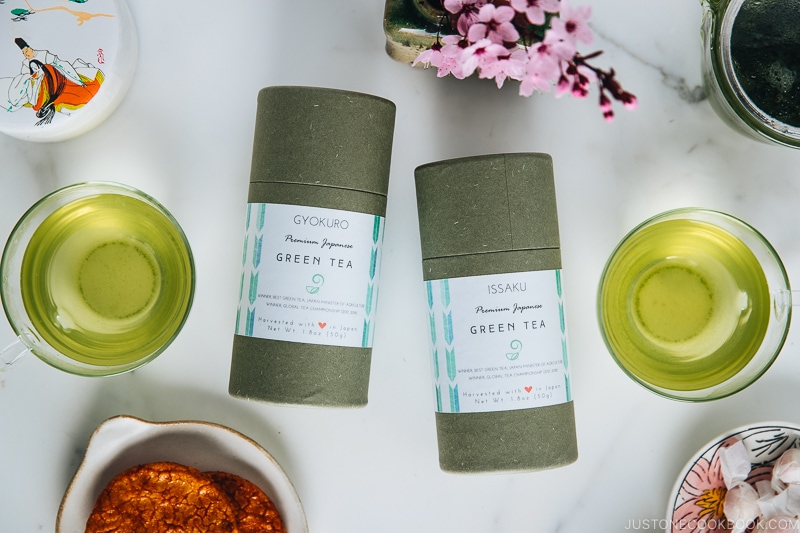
[696, 504]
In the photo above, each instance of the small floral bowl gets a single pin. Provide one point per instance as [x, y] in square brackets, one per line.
[122, 442]
[698, 498]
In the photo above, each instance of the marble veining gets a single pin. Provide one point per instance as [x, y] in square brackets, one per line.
[184, 134]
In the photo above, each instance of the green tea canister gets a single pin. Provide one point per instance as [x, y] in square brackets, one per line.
[491, 263]
[312, 248]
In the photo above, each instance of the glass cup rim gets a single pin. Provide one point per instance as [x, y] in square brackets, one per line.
[691, 213]
[24, 334]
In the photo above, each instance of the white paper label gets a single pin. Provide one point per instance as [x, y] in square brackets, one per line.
[310, 275]
[498, 342]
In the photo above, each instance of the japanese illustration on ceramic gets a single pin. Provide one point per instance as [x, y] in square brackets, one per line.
[53, 57]
[708, 496]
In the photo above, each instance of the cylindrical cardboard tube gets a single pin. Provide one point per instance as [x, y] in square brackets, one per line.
[484, 220]
[316, 205]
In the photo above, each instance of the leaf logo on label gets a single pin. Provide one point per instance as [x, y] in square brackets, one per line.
[514, 355]
[318, 280]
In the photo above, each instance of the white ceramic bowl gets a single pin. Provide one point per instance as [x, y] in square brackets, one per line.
[123, 441]
[693, 497]
[97, 41]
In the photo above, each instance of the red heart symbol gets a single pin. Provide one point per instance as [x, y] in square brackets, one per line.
[528, 389]
[322, 325]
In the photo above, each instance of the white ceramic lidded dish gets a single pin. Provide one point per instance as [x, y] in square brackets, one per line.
[64, 66]
[122, 442]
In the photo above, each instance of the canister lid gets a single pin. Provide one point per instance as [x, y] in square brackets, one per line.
[324, 137]
[64, 66]
[484, 204]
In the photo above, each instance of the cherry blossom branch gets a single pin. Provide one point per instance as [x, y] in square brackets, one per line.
[530, 41]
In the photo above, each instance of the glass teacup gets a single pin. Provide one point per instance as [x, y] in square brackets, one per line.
[96, 279]
[694, 304]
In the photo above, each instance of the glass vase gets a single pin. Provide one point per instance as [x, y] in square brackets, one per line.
[411, 26]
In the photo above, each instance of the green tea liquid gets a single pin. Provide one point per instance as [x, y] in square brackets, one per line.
[106, 280]
[685, 305]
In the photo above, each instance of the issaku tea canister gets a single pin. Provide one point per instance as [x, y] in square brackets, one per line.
[312, 249]
[63, 70]
[492, 269]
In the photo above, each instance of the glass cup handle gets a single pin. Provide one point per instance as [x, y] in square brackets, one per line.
[12, 353]
[783, 301]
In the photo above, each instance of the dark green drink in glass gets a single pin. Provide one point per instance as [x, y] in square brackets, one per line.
[751, 66]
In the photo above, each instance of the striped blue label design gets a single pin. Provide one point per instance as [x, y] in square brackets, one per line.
[498, 342]
[310, 275]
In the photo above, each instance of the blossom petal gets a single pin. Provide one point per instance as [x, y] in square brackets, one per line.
[476, 32]
[504, 14]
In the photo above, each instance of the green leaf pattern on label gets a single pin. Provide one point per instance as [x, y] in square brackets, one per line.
[260, 241]
[442, 329]
[245, 311]
[435, 352]
[251, 258]
[498, 350]
[372, 291]
[563, 324]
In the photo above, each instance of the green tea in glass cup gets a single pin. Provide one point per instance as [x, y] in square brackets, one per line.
[694, 304]
[751, 66]
[97, 279]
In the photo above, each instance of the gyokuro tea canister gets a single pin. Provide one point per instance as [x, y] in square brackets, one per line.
[63, 70]
[492, 269]
[312, 248]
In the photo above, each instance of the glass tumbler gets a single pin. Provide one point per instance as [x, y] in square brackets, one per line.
[751, 66]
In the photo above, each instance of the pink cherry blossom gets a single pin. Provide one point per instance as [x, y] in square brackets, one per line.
[540, 51]
[467, 11]
[573, 23]
[559, 47]
[605, 107]
[544, 60]
[457, 6]
[479, 54]
[504, 67]
[534, 81]
[580, 78]
[430, 57]
[542, 70]
[451, 53]
[562, 86]
[494, 23]
[629, 101]
[535, 9]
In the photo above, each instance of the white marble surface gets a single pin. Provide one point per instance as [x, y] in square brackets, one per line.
[184, 134]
